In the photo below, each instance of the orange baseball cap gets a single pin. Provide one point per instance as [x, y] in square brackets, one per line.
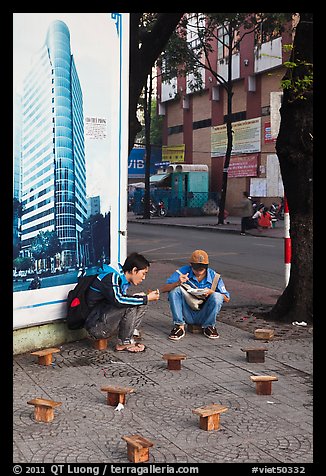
[199, 257]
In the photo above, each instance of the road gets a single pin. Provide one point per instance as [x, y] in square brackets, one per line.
[256, 260]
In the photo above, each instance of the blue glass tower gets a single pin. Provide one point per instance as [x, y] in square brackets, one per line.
[53, 153]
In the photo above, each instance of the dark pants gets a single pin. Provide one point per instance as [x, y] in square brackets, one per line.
[103, 323]
[245, 224]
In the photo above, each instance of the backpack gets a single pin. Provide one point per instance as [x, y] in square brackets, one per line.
[77, 309]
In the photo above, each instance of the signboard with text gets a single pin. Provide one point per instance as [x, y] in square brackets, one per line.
[173, 153]
[245, 166]
[246, 138]
[137, 162]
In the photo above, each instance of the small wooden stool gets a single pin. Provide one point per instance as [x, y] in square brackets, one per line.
[116, 395]
[174, 360]
[44, 409]
[255, 354]
[45, 355]
[193, 329]
[210, 416]
[100, 344]
[263, 383]
[264, 334]
[138, 448]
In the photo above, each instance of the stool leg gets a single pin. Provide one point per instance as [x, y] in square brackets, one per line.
[255, 356]
[45, 359]
[113, 399]
[122, 398]
[263, 388]
[101, 344]
[138, 455]
[210, 422]
[44, 414]
[174, 364]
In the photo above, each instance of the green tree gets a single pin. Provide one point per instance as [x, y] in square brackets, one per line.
[17, 213]
[22, 263]
[190, 55]
[156, 125]
[45, 245]
[149, 35]
[294, 148]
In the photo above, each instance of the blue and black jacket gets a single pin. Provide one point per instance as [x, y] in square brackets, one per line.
[110, 288]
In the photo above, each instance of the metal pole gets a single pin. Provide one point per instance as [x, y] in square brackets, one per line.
[287, 242]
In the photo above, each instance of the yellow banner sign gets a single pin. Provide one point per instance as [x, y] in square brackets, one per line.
[173, 153]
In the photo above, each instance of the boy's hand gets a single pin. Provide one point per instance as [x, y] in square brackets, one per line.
[153, 295]
[183, 278]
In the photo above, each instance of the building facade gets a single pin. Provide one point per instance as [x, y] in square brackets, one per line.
[196, 119]
[53, 182]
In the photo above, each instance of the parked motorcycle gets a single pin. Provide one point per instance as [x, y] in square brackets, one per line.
[35, 283]
[277, 210]
[158, 209]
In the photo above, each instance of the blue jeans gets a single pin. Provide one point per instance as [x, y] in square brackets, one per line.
[182, 314]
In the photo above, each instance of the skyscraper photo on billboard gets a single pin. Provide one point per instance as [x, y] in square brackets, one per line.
[66, 103]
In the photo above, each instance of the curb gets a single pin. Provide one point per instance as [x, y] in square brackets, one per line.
[203, 227]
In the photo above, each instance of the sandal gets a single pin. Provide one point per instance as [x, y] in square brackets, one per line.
[130, 348]
[137, 335]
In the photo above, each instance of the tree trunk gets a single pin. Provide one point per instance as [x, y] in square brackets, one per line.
[227, 156]
[229, 90]
[143, 58]
[294, 148]
[147, 114]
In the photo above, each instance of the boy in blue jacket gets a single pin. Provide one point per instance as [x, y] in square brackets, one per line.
[112, 310]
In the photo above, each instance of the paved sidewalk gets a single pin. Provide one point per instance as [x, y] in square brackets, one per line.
[260, 429]
[232, 224]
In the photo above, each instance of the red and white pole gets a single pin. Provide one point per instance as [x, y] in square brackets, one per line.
[287, 242]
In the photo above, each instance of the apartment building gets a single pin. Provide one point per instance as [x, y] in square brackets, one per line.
[194, 121]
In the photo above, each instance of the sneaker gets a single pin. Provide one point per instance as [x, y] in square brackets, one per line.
[243, 234]
[177, 333]
[211, 332]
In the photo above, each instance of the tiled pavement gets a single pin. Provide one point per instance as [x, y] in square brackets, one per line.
[256, 429]
[267, 430]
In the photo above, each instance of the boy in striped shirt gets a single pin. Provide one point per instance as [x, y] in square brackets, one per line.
[112, 309]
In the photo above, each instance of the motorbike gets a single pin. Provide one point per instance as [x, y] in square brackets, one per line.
[35, 283]
[277, 210]
[158, 209]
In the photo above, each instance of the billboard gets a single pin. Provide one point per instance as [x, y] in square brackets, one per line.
[137, 159]
[246, 138]
[70, 152]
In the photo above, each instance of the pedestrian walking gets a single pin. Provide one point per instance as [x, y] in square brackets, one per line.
[246, 213]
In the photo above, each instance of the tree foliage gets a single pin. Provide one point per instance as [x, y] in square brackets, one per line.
[189, 53]
[149, 35]
[45, 245]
